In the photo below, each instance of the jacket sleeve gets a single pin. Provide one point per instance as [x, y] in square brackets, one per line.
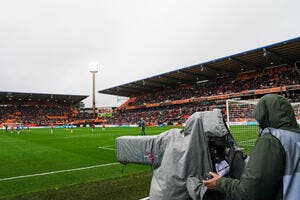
[263, 174]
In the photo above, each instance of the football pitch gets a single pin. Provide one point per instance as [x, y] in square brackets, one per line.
[38, 160]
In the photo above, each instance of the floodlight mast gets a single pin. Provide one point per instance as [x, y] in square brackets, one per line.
[94, 70]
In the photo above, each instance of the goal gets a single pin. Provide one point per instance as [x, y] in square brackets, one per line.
[241, 121]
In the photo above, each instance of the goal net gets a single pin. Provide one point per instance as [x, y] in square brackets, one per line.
[242, 123]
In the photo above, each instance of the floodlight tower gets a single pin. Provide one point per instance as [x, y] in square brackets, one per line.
[94, 70]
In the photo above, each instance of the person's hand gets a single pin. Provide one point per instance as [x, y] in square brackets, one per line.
[212, 183]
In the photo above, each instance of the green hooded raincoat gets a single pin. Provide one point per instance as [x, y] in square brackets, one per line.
[264, 172]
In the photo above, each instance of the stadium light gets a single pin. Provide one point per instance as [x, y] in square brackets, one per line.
[94, 69]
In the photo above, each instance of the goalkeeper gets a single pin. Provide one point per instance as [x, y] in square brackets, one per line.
[273, 170]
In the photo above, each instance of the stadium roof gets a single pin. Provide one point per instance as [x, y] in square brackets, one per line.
[21, 96]
[286, 52]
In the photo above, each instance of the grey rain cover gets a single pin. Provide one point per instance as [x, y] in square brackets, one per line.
[180, 158]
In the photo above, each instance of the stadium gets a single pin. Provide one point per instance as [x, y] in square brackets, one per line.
[76, 162]
[149, 100]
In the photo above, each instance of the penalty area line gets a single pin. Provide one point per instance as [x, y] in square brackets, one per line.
[57, 172]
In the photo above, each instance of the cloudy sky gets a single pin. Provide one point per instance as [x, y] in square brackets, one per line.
[46, 45]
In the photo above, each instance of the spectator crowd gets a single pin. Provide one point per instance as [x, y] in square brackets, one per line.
[269, 78]
[176, 114]
[37, 115]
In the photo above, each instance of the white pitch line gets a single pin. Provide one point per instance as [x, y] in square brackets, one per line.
[146, 198]
[245, 141]
[247, 145]
[110, 146]
[107, 148]
[56, 172]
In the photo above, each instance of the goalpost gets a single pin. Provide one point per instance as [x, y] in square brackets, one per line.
[241, 121]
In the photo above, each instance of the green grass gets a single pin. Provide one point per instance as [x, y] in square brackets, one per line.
[245, 136]
[40, 152]
[129, 187]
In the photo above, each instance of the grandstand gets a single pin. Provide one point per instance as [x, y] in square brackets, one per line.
[37, 109]
[171, 97]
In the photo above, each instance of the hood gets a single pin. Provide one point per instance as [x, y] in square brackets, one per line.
[212, 122]
[275, 111]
